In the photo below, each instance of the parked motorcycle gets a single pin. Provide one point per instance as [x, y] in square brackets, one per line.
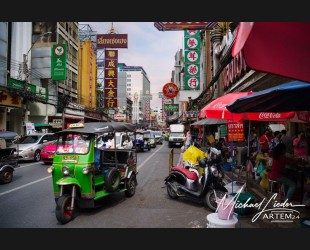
[206, 187]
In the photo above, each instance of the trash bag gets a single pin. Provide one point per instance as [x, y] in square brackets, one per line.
[193, 154]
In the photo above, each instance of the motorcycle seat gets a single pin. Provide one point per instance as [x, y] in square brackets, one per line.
[189, 174]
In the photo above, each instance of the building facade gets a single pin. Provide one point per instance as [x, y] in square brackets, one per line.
[138, 91]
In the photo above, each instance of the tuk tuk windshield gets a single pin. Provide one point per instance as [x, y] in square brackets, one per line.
[73, 143]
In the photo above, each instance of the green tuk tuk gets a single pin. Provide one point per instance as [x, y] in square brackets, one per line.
[83, 172]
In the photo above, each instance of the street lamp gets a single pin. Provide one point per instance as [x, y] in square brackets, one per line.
[26, 79]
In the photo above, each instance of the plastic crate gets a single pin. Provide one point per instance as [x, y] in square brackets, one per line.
[242, 198]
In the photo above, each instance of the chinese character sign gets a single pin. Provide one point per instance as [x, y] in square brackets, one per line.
[192, 43]
[191, 83]
[110, 78]
[192, 59]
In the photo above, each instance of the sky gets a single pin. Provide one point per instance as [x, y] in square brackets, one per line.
[148, 47]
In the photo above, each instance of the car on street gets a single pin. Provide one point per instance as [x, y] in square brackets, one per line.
[30, 146]
[47, 153]
[158, 137]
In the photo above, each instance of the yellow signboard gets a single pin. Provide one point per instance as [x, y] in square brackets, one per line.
[6, 99]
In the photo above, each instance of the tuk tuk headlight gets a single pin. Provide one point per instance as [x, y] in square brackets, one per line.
[50, 169]
[86, 170]
[65, 170]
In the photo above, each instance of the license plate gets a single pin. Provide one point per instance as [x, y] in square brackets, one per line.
[177, 143]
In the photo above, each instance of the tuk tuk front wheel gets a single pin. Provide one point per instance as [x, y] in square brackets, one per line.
[6, 176]
[64, 213]
[131, 184]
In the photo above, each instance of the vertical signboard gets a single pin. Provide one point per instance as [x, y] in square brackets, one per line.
[59, 62]
[110, 79]
[192, 59]
[235, 131]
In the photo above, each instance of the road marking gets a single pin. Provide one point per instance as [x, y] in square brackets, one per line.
[24, 166]
[26, 185]
[142, 164]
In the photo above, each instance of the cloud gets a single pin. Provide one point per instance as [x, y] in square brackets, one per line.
[148, 47]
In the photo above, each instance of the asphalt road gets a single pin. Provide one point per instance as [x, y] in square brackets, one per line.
[28, 201]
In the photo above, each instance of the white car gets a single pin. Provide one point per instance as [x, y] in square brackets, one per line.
[30, 146]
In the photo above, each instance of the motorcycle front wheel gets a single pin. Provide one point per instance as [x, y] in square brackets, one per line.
[210, 199]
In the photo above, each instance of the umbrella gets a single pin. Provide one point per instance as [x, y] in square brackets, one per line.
[280, 48]
[217, 110]
[208, 121]
[291, 96]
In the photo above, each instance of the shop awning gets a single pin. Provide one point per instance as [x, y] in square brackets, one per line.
[42, 125]
[74, 117]
[280, 48]
[208, 121]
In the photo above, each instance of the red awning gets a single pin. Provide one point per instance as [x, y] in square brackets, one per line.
[74, 117]
[280, 48]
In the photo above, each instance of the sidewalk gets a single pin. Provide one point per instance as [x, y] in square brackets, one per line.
[272, 218]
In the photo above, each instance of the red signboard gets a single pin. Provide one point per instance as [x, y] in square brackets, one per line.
[110, 102]
[235, 131]
[111, 54]
[170, 90]
[112, 41]
[162, 26]
[110, 78]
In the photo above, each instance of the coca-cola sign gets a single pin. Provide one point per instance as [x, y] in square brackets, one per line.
[269, 116]
[264, 115]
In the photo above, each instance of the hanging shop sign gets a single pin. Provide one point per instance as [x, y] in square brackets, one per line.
[170, 90]
[59, 62]
[112, 41]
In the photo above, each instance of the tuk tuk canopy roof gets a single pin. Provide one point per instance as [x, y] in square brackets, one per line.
[101, 127]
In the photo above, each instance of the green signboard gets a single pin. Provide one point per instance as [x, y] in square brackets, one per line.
[36, 90]
[147, 97]
[223, 130]
[192, 56]
[192, 83]
[171, 107]
[59, 62]
[192, 43]
[192, 69]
